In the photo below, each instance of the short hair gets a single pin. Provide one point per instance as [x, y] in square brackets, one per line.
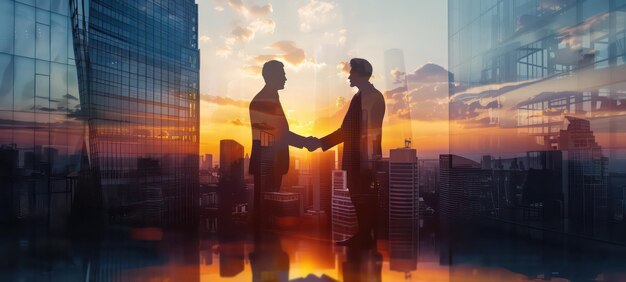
[271, 67]
[361, 66]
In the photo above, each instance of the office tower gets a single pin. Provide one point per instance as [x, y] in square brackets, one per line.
[382, 182]
[138, 70]
[246, 169]
[344, 222]
[41, 134]
[460, 186]
[403, 184]
[587, 174]
[395, 71]
[396, 88]
[207, 163]
[231, 183]
[322, 165]
[544, 186]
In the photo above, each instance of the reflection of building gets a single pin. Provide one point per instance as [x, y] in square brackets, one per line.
[403, 184]
[40, 133]
[586, 174]
[382, 180]
[281, 203]
[138, 68]
[403, 245]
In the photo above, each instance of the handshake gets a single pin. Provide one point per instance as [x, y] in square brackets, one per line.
[312, 143]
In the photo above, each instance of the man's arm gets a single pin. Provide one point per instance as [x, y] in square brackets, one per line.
[332, 139]
[296, 140]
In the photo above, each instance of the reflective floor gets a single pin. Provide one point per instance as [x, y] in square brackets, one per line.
[303, 250]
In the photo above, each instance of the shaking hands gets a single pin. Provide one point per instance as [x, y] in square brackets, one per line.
[312, 143]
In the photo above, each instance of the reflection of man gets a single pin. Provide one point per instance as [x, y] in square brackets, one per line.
[271, 137]
[361, 133]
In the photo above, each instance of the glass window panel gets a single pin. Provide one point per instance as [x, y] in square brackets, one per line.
[42, 94]
[6, 22]
[59, 6]
[43, 42]
[29, 2]
[24, 30]
[43, 16]
[43, 4]
[6, 82]
[24, 91]
[43, 67]
[58, 39]
[58, 81]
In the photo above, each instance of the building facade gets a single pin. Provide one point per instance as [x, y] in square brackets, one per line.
[138, 70]
[41, 134]
[529, 74]
[403, 184]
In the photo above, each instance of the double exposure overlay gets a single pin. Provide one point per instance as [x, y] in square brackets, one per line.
[312, 140]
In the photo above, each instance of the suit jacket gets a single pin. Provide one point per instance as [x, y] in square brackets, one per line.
[271, 137]
[360, 132]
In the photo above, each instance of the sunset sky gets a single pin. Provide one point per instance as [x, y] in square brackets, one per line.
[314, 38]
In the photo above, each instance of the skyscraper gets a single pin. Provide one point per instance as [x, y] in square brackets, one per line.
[344, 222]
[403, 184]
[322, 165]
[138, 69]
[40, 133]
[460, 186]
[231, 183]
[587, 174]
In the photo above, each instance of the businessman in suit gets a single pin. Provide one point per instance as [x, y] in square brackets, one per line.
[271, 136]
[361, 134]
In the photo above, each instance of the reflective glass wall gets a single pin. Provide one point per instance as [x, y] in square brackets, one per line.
[537, 113]
[40, 133]
[138, 65]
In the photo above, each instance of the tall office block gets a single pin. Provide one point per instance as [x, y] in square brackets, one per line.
[231, 183]
[40, 133]
[403, 184]
[138, 70]
[344, 222]
[322, 165]
[460, 186]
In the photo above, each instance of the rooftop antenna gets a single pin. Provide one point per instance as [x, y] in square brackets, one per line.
[407, 143]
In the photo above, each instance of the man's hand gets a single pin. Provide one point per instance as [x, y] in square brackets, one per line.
[312, 143]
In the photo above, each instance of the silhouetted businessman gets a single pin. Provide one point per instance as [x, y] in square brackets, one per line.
[361, 133]
[271, 137]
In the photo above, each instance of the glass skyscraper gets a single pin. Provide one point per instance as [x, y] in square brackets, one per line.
[535, 79]
[138, 68]
[41, 134]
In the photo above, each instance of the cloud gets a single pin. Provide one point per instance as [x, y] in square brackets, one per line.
[430, 73]
[238, 122]
[224, 51]
[245, 34]
[224, 101]
[314, 14]
[219, 8]
[339, 38]
[252, 11]
[290, 54]
[397, 76]
[344, 69]
[204, 39]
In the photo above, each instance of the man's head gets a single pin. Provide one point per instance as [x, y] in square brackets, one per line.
[360, 72]
[274, 75]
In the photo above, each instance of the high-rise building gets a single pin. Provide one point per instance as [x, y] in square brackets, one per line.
[460, 186]
[344, 221]
[382, 181]
[403, 184]
[41, 134]
[138, 70]
[207, 162]
[231, 183]
[322, 165]
[587, 174]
